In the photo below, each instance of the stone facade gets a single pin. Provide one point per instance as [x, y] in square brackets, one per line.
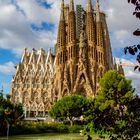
[83, 55]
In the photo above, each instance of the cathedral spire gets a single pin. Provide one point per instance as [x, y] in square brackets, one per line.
[62, 10]
[71, 23]
[97, 11]
[71, 8]
[89, 6]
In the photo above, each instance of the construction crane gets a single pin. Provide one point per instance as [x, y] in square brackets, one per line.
[127, 64]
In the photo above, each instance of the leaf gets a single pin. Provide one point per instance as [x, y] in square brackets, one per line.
[136, 67]
[138, 46]
[132, 1]
[134, 13]
[136, 49]
[131, 51]
[137, 32]
[125, 50]
[138, 15]
[137, 6]
[138, 57]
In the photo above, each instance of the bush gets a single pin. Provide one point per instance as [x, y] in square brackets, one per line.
[42, 127]
[61, 128]
[75, 128]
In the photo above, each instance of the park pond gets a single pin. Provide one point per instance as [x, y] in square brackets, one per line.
[47, 137]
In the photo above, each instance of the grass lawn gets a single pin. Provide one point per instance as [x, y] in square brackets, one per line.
[51, 137]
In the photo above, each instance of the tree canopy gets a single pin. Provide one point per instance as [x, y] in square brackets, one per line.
[69, 108]
[10, 114]
[114, 91]
[112, 109]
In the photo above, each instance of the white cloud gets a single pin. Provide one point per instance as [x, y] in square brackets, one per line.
[119, 15]
[121, 22]
[35, 13]
[15, 30]
[121, 34]
[7, 68]
[135, 77]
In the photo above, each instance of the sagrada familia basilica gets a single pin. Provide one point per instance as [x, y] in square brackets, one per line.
[83, 55]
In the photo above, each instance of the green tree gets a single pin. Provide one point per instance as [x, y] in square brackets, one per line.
[112, 109]
[113, 103]
[10, 114]
[69, 108]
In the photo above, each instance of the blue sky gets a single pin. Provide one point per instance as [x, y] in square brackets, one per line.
[33, 24]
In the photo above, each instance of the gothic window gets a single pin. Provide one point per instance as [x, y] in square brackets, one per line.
[97, 55]
[66, 55]
[63, 57]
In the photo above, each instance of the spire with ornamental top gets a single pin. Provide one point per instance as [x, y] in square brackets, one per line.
[89, 6]
[62, 11]
[71, 7]
[97, 11]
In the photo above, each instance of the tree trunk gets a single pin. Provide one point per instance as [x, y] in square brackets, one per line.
[71, 122]
[8, 126]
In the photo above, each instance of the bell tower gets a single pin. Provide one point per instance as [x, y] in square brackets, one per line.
[60, 52]
[91, 39]
[61, 38]
[71, 46]
[101, 58]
